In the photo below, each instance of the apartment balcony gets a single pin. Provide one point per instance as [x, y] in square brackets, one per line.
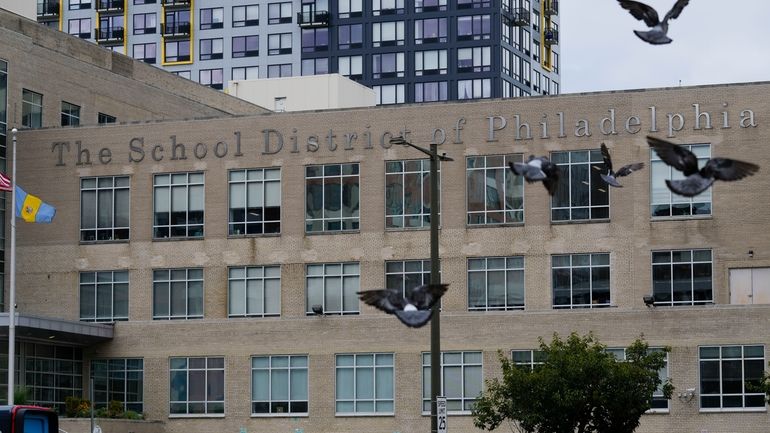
[551, 7]
[313, 19]
[551, 36]
[176, 30]
[47, 10]
[110, 35]
[516, 16]
[110, 6]
[182, 4]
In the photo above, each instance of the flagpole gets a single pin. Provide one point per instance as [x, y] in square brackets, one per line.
[12, 265]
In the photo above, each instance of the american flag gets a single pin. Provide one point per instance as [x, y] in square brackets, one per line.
[5, 183]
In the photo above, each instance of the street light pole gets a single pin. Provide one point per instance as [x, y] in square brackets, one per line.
[435, 275]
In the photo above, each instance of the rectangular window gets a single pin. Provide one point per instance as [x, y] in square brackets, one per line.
[388, 65]
[505, 57]
[350, 36]
[331, 197]
[461, 381]
[31, 109]
[119, 379]
[80, 27]
[474, 89]
[183, 74]
[390, 94]
[315, 40]
[467, 4]
[535, 21]
[477, 59]
[103, 296]
[581, 280]
[730, 378]
[429, 5]
[245, 16]
[278, 43]
[581, 193]
[70, 114]
[111, 28]
[104, 208]
[431, 62]
[246, 73]
[177, 51]
[212, 18]
[177, 294]
[350, 8]
[528, 359]
[145, 24]
[387, 7]
[536, 82]
[144, 2]
[535, 51]
[145, 52]
[178, 204]
[659, 401]
[387, 34]
[333, 287]
[211, 49]
[431, 91]
[278, 71]
[495, 194]
[197, 386]
[177, 22]
[279, 385]
[255, 201]
[496, 283]
[429, 31]
[254, 291]
[248, 46]
[315, 66]
[79, 4]
[407, 193]
[365, 384]
[473, 28]
[682, 277]
[278, 13]
[351, 66]
[664, 203]
[407, 274]
[104, 119]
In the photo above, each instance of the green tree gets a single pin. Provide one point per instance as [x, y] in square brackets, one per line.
[579, 388]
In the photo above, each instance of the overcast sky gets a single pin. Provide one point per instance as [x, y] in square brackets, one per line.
[715, 41]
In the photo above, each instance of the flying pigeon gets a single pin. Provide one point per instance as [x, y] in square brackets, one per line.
[415, 310]
[698, 180]
[659, 28]
[611, 176]
[538, 169]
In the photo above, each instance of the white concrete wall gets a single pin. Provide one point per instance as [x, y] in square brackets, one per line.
[315, 92]
[25, 8]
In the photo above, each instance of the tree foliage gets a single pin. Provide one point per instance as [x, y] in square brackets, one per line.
[580, 387]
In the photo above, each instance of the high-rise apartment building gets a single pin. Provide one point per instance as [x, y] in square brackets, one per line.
[407, 50]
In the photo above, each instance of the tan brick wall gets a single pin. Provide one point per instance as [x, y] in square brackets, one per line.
[50, 256]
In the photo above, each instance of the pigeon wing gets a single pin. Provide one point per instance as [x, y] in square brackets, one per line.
[425, 296]
[642, 12]
[551, 180]
[728, 169]
[607, 159]
[676, 10]
[387, 300]
[690, 186]
[674, 155]
[628, 169]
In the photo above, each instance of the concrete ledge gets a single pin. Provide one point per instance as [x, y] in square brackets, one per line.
[108, 425]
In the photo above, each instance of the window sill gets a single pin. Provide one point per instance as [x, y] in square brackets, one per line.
[196, 415]
[452, 413]
[407, 229]
[197, 238]
[736, 409]
[280, 415]
[494, 225]
[567, 222]
[658, 412]
[116, 241]
[255, 235]
[335, 232]
[681, 218]
[367, 414]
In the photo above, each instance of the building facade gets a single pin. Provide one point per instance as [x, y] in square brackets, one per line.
[407, 50]
[207, 243]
